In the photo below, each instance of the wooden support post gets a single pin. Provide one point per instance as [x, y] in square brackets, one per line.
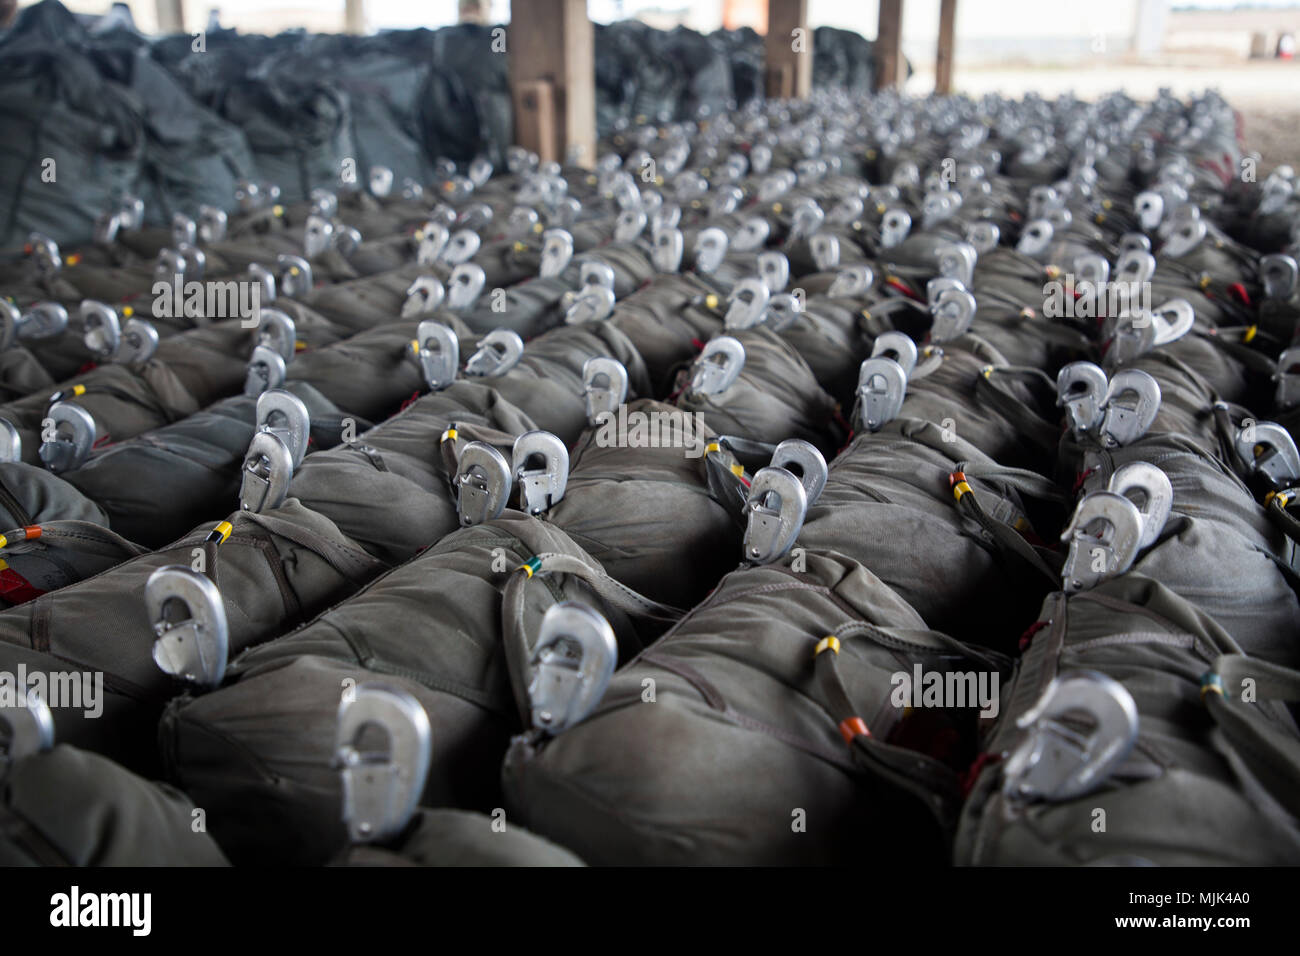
[551, 42]
[889, 35]
[943, 55]
[354, 16]
[171, 16]
[789, 49]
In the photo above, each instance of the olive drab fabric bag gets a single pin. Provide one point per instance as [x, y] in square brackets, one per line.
[459, 838]
[272, 570]
[1210, 778]
[740, 757]
[262, 745]
[68, 807]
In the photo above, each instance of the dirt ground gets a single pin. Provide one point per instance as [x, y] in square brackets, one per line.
[1266, 92]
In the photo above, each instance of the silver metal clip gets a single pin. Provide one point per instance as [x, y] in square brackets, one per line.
[295, 275]
[851, 282]
[266, 278]
[437, 351]
[71, 440]
[710, 249]
[277, 332]
[380, 181]
[102, 329]
[751, 234]
[460, 247]
[1150, 490]
[774, 514]
[1279, 274]
[953, 311]
[138, 343]
[498, 352]
[593, 303]
[718, 365]
[557, 251]
[11, 442]
[897, 346]
[423, 297]
[318, 235]
[213, 223]
[805, 462]
[882, 387]
[570, 668]
[185, 231]
[1104, 537]
[1269, 449]
[1081, 390]
[605, 384]
[666, 254]
[42, 321]
[433, 237]
[26, 727]
[1132, 401]
[465, 284]
[382, 785]
[541, 470]
[894, 227]
[191, 633]
[284, 415]
[266, 369]
[1287, 376]
[266, 473]
[482, 483]
[748, 300]
[825, 250]
[1057, 760]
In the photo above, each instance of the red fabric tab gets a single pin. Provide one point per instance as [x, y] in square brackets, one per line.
[16, 589]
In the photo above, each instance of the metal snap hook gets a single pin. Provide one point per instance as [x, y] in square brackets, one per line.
[188, 618]
[894, 227]
[825, 249]
[593, 303]
[939, 207]
[1081, 390]
[773, 270]
[42, 321]
[169, 264]
[465, 284]
[751, 234]
[433, 237]
[185, 231]
[212, 224]
[284, 415]
[666, 254]
[570, 668]
[475, 216]
[1185, 238]
[1172, 320]
[953, 312]
[782, 311]
[277, 332]
[882, 386]
[593, 271]
[11, 442]
[1269, 449]
[107, 226]
[1036, 238]
[380, 181]
[138, 343]
[521, 222]
[1135, 265]
[346, 239]
[1150, 209]
[774, 514]
[482, 484]
[381, 786]
[1093, 268]
[631, 222]
[45, 253]
[295, 275]
[718, 365]
[1132, 401]
[1287, 376]
[266, 369]
[806, 220]
[1104, 536]
[726, 200]
[805, 462]
[851, 281]
[1058, 761]
[26, 727]
[102, 330]
[541, 470]
[1132, 335]
[73, 437]
[1134, 242]
[667, 216]
[266, 473]
[497, 353]
[710, 249]
[848, 210]
[423, 297]
[1279, 274]
[897, 346]
[131, 213]
[318, 235]
[605, 384]
[984, 236]
[748, 298]
[557, 251]
[266, 278]
[957, 261]
[437, 351]
[460, 247]
[1150, 490]
[248, 195]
